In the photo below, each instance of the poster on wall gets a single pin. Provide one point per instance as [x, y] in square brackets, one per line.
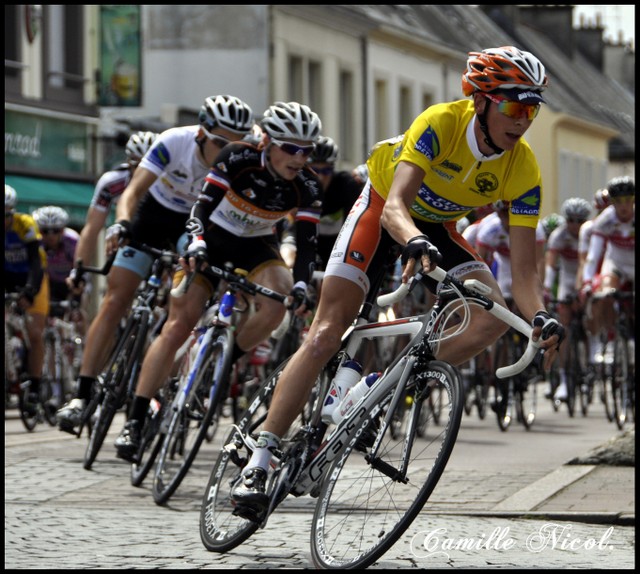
[120, 59]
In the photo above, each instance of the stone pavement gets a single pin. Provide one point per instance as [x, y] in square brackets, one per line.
[582, 515]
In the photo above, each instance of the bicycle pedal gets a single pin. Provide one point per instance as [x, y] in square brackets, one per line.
[248, 513]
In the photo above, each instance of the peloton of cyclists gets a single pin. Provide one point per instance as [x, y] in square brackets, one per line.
[248, 190]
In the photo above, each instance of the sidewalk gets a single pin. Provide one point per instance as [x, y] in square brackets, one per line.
[597, 488]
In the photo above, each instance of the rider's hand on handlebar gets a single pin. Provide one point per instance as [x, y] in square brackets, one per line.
[76, 281]
[298, 298]
[116, 234]
[419, 247]
[550, 333]
[197, 254]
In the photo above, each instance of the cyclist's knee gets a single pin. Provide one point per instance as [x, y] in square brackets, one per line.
[323, 340]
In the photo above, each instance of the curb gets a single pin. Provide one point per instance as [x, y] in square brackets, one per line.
[610, 518]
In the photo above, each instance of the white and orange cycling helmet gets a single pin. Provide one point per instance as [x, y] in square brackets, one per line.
[504, 68]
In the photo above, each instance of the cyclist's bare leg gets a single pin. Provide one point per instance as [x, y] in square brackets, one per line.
[483, 329]
[602, 307]
[121, 287]
[269, 313]
[341, 299]
[35, 357]
[184, 313]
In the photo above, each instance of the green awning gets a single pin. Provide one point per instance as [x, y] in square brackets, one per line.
[34, 192]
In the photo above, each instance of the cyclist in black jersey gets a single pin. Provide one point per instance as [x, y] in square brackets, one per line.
[248, 190]
[341, 190]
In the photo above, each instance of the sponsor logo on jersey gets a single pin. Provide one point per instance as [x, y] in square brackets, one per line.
[357, 256]
[159, 155]
[486, 183]
[528, 203]
[428, 144]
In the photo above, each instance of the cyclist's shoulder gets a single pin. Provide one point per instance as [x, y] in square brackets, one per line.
[24, 227]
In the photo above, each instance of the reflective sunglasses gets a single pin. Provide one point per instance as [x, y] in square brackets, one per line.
[293, 149]
[220, 141]
[50, 231]
[513, 109]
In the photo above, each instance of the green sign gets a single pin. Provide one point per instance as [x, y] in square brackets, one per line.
[46, 145]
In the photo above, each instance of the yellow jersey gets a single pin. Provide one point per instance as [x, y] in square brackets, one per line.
[458, 178]
[22, 230]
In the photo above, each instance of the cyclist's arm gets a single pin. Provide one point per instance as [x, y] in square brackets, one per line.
[306, 245]
[551, 269]
[139, 185]
[36, 273]
[88, 242]
[527, 287]
[596, 247]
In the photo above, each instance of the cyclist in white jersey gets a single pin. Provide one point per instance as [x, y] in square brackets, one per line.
[613, 243]
[600, 202]
[561, 260]
[493, 244]
[153, 210]
[109, 188]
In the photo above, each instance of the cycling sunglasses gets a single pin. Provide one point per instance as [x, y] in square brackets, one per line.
[513, 109]
[220, 141]
[51, 231]
[293, 149]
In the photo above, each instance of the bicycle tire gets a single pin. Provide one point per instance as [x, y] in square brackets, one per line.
[151, 438]
[484, 376]
[51, 375]
[619, 381]
[373, 507]
[29, 420]
[504, 397]
[527, 398]
[192, 422]
[573, 375]
[220, 529]
[115, 382]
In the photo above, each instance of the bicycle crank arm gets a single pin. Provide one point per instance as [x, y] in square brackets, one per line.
[391, 471]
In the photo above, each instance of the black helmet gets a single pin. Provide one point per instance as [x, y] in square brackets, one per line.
[621, 186]
[326, 151]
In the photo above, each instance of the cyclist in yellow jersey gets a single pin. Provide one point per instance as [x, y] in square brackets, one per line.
[455, 157]
[25, 263]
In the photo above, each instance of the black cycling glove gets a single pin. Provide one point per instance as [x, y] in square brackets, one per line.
[550, 326]
[418, 246]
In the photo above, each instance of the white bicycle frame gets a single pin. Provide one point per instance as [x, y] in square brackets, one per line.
[430, 324]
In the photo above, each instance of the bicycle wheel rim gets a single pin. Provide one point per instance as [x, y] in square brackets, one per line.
[361, 512]
[190, 426]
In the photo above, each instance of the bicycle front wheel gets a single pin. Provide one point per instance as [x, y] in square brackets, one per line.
[619, 381]
[191, 423]
[366, 505]
[115, 387]
[151, 438]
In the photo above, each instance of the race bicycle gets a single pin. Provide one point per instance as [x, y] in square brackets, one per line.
[204, 386]
[369, 486]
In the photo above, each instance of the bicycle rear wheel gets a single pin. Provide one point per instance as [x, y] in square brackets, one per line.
[220, 529]
[365, 506]
[190, 424]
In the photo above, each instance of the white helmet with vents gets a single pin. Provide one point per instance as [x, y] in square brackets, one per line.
[291, 121]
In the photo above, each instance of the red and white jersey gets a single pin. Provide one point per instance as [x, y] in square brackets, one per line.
[614, 242]
[110, 187]
[494, 237]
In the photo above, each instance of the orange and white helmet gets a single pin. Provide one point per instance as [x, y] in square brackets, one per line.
[504, 68]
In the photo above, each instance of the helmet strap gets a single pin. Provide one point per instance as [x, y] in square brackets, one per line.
[482, 120]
